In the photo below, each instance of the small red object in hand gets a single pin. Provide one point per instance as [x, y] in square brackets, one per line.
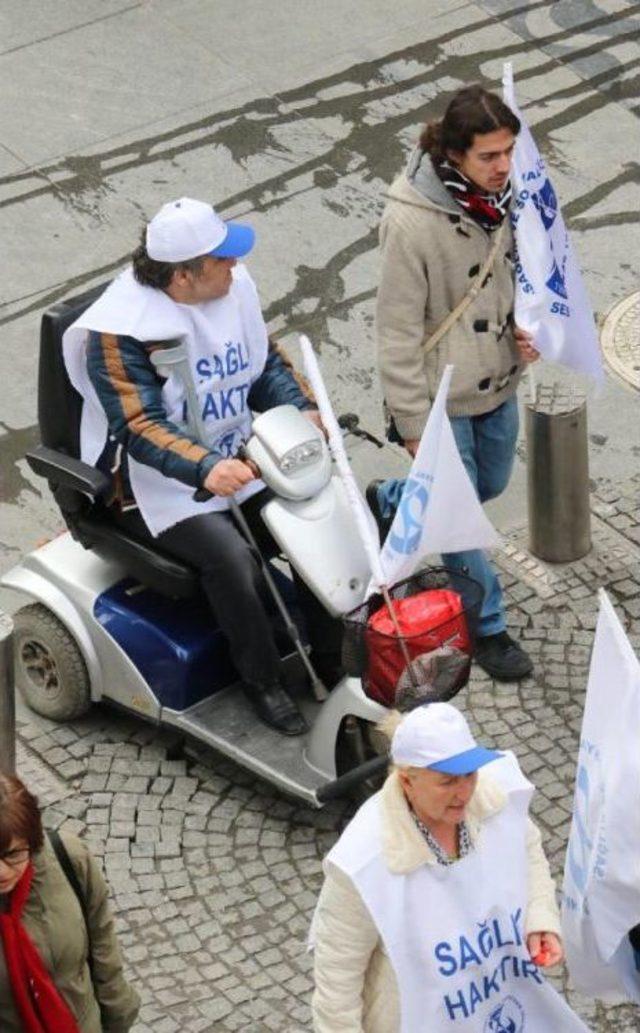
[542, 957]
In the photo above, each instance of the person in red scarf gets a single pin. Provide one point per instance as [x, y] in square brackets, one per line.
[59, 972]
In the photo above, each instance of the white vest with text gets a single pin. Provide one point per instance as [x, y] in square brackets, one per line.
[455, 935]
[226, 342]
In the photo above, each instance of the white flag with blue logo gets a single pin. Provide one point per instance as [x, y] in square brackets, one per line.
[601, 891]
[551, 301]
[439, 510]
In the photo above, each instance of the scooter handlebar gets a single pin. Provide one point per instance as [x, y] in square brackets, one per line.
[202, 494]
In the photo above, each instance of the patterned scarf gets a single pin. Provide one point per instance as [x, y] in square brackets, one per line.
[488, 210]
[440, 854]
[40, 1006]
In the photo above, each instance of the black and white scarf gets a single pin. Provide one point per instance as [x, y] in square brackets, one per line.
[486, 209]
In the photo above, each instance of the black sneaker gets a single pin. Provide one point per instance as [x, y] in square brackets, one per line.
[384, 523]
[502, 658]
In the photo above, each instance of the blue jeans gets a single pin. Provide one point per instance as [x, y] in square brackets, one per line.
[487, 445]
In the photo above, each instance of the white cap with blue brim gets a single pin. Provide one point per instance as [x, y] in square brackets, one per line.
[186, 229]
[437, 736]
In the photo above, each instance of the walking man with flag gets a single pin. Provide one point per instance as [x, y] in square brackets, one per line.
[446, 297]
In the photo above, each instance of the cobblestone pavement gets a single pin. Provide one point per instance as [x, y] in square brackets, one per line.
[214, 876]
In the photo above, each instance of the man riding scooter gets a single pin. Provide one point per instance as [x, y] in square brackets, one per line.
[184, 283]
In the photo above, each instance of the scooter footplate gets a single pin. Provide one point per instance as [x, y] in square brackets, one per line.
[227, 723]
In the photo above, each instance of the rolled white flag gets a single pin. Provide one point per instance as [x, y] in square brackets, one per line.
[363, 518]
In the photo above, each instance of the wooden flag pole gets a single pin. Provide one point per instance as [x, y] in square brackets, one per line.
[401, 642]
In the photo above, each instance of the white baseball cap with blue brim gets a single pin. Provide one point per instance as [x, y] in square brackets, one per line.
[186, 229]
[437, 736]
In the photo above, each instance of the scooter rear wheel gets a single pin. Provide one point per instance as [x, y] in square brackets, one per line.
[50, 671]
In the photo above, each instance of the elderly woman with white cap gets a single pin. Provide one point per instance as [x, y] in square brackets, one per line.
[438, 909]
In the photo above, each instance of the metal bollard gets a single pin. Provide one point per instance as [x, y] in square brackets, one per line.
[558, 476]
[7, 697]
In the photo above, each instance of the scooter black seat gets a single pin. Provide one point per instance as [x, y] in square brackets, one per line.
[155, 569]
[80, 490]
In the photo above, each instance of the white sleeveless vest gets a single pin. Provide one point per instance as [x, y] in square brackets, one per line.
[227, 346]
[455, 935]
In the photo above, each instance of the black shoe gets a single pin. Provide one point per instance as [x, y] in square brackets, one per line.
[502, 658]
[275, 707]
[384, 523]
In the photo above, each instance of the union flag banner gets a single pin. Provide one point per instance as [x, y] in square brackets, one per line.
[601, 891]
[439, 510]
[551, 301]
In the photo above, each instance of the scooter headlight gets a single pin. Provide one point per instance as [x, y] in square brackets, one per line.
[302, 455]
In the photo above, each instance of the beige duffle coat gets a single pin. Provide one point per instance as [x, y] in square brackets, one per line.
[431, 251]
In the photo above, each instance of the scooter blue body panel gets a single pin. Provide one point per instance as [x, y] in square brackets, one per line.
[176, 647]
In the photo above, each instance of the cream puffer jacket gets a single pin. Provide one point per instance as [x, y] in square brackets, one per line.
[355, 986]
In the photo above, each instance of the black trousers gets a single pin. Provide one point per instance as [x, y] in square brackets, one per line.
[236, 589]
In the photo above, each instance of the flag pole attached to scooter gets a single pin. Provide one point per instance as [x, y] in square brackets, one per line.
[173, 354]
[336, 444]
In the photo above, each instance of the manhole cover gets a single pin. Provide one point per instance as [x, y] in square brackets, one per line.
[621, 339]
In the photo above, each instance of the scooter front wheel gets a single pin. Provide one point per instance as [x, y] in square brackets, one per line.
[50, 671]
